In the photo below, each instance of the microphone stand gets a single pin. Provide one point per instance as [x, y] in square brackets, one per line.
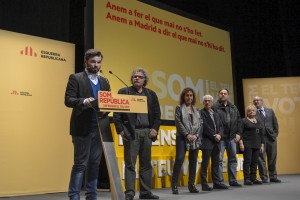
[120, 80]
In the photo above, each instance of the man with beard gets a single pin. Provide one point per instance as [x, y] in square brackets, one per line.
[82, 90]
[270, 125]
[138, 131]
[231, 121]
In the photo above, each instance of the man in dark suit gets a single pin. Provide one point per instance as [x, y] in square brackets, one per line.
[138, 131]
[82, 90]
[269, 121]
[212, 134]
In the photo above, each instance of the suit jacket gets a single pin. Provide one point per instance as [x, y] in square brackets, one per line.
[270, 123]
[78, 89]
[126, 121]
[208, 141]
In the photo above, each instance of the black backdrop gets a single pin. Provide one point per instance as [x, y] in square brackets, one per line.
[265, 33]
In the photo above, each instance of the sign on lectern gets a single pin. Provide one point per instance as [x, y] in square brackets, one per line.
[109, 102]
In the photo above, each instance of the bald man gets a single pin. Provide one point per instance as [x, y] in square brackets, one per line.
[269, 121]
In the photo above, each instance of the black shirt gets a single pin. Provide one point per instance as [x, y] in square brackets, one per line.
[252, 134]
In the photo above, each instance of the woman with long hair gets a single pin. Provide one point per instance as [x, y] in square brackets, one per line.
[188, 137]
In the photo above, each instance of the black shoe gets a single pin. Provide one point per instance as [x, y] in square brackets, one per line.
[128, 197]
[148, 196]
[264, 180]
[192, 188]
[220, 186]
[235, 184]
[205, 187]
[257, 182]
[248, 182]
[275, 180]
[174, 189]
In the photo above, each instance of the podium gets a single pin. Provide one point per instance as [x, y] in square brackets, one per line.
[117, 192]
[108, 102]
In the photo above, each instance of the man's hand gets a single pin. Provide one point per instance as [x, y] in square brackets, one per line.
[218, 137]
[153, 133]
[88, 101]
[123, 136]
[262, 148]
[242, 147]
[237, 138]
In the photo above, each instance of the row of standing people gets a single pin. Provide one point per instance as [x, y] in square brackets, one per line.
[219, 132]
[218, 127]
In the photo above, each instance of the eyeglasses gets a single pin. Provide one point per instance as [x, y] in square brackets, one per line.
[140, 77]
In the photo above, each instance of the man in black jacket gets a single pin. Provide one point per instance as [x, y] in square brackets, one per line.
[138, 131]
[231, 121]
[82, 90]
[269, 121]
[212, 134]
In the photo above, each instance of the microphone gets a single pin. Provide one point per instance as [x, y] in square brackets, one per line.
[120, 80]
[101, 71]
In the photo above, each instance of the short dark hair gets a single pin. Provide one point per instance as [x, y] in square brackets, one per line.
[91, 53]
[223, 89]
[144, 73]
[183, 93]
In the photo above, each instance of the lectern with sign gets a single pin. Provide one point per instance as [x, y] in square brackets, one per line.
[108, 102]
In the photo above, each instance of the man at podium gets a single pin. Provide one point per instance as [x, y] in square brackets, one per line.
[82, 89]
[138, 131]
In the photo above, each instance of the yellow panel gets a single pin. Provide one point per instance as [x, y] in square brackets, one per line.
[128, 34]
[35, 146]
[283, 96]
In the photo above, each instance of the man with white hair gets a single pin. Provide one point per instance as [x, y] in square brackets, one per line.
[212, 134]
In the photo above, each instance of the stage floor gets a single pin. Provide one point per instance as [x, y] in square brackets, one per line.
[289, 189]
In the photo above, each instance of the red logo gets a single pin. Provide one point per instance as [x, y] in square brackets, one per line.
[14, 92]
[28, 52]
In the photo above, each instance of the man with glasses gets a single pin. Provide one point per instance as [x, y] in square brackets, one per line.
[138, 131]
[269, 121]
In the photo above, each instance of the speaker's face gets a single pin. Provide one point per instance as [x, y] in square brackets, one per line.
[93, 64]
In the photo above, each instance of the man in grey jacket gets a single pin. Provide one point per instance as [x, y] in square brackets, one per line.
[269, 121]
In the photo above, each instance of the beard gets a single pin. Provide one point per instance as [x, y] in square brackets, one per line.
[92, 70]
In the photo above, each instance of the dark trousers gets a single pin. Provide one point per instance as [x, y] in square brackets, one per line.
[250, 163]
[87, 156]
[180, 155]
[140, 146]
[270, 151]
[214, 154]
